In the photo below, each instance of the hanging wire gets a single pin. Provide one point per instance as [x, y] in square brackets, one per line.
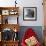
[15, 2]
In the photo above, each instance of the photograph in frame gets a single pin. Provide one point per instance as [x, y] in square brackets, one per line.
[30, 13]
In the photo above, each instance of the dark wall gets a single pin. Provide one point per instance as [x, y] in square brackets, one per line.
[37, 29]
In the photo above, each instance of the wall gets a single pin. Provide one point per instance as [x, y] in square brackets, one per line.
[26, 3]
[33, 3]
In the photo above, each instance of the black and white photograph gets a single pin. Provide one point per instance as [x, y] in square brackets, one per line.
[30, 13]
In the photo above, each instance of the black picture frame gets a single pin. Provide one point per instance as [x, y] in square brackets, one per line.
[29, 13]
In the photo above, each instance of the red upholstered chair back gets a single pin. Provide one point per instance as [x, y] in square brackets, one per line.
[29, 33]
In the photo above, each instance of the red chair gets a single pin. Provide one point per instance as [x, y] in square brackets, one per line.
[29, 33]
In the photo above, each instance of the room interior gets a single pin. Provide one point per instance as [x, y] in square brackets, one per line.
[16, 16]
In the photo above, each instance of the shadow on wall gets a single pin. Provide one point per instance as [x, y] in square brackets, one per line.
[37, 29]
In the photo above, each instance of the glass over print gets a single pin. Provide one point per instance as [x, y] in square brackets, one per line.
[29, 13]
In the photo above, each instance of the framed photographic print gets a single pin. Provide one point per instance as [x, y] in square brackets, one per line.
[30, 13]
[10, 20]
[6, 34]
[5, 20]
[13, 12]
[5, 12]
